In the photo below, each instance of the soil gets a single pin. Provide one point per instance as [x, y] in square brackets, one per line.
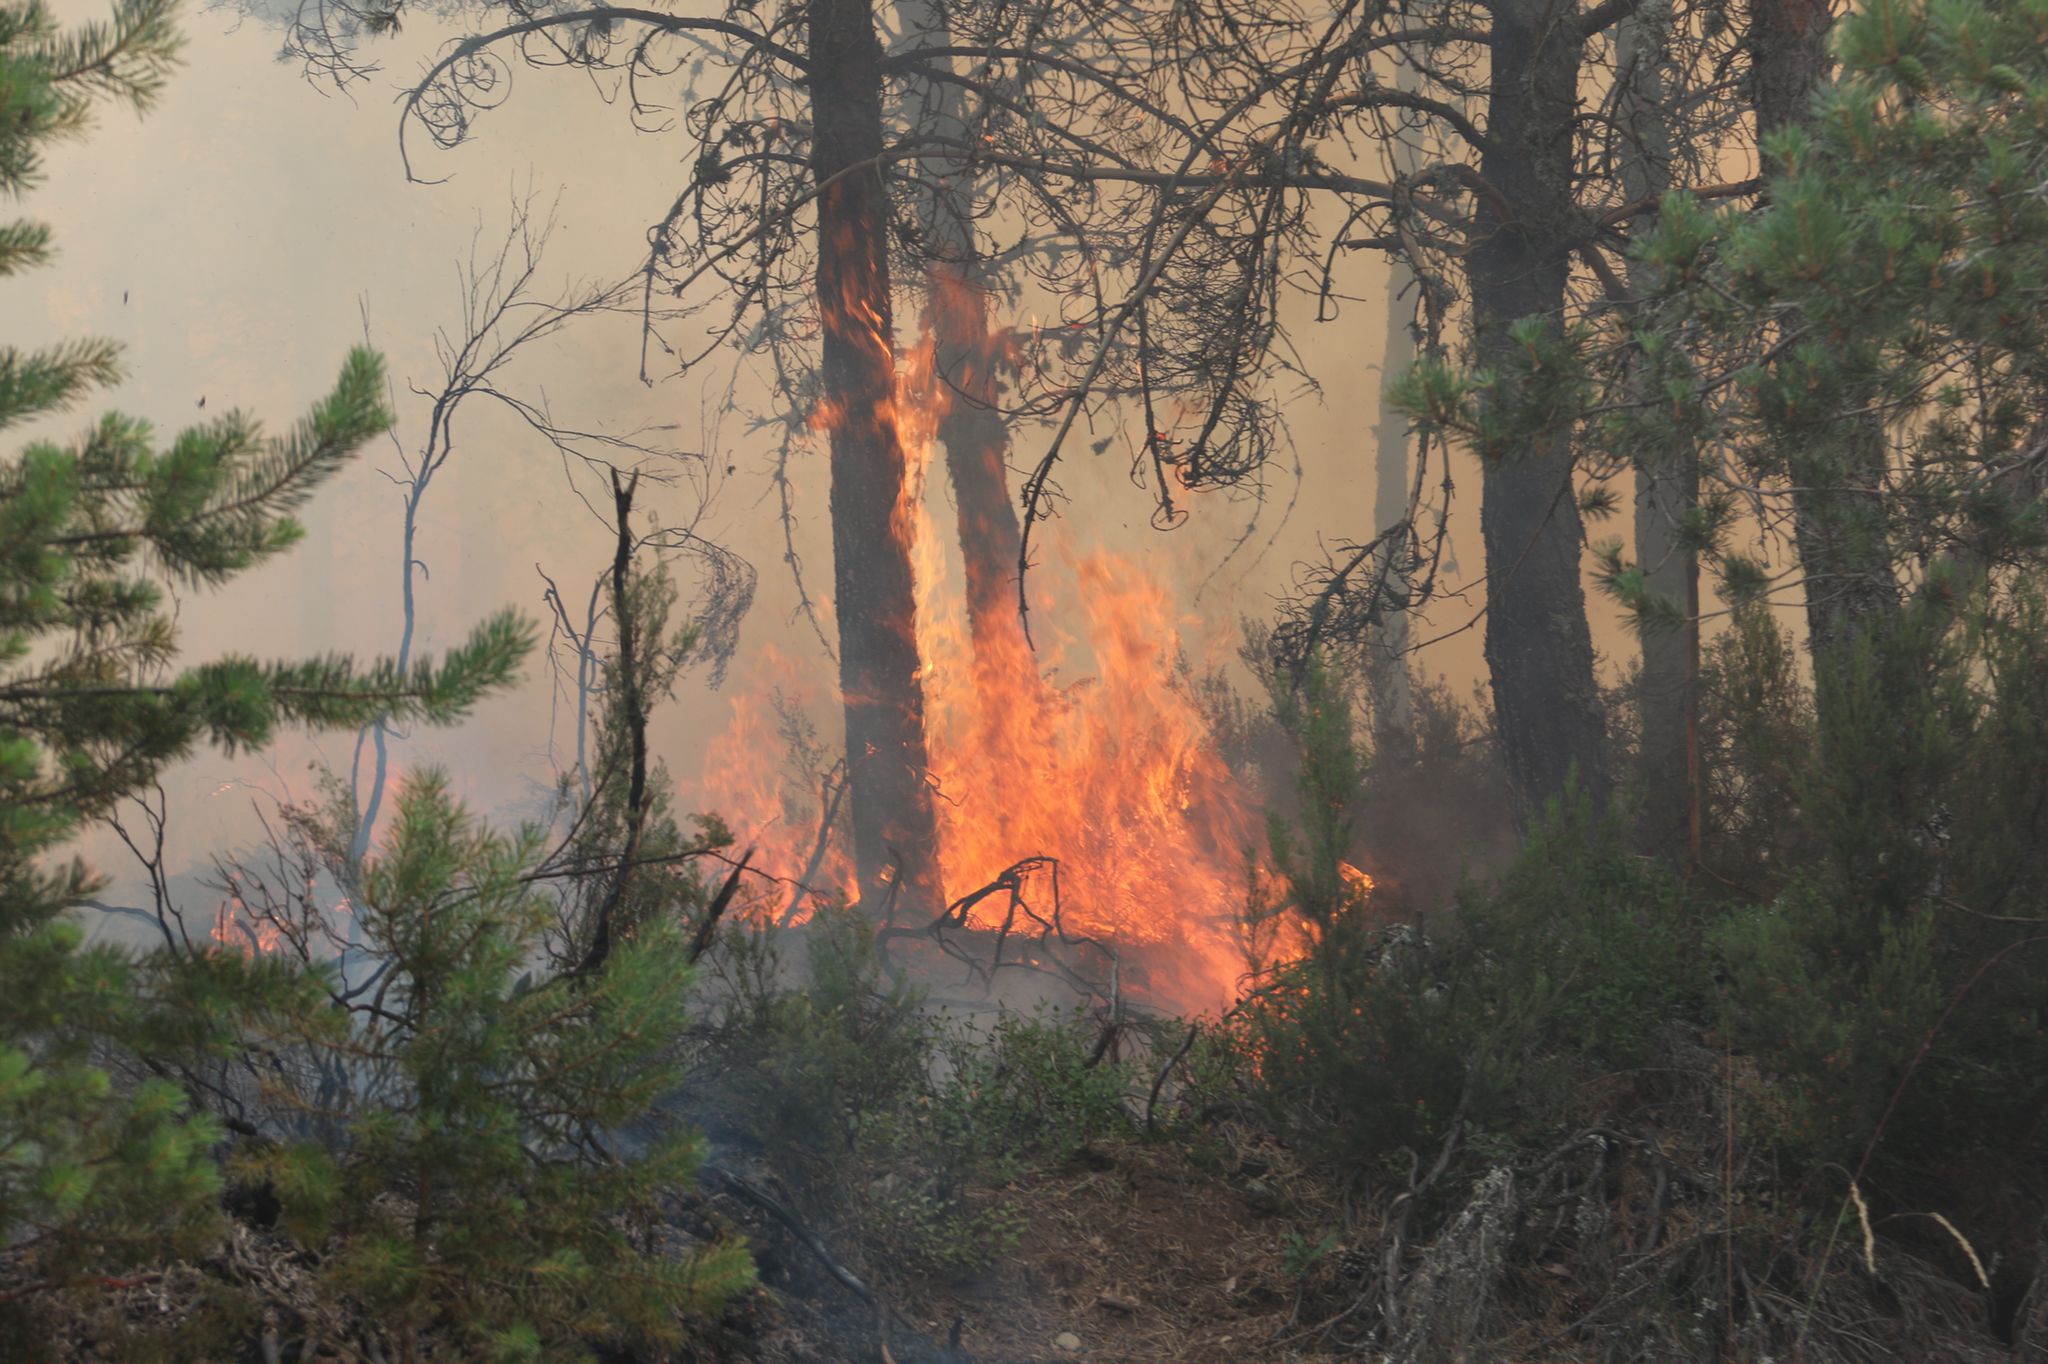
[1133, 1252]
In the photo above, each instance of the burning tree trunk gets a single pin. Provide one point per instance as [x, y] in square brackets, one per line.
[894, 832]
[977, 446]
[1539, 648]
[972, 432]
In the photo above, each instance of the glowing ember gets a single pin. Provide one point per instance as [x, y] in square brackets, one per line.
[1114, 775]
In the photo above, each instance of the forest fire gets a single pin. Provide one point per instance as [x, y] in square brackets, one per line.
[1110, 773]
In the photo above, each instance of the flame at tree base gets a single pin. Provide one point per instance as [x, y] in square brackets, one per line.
[1110, 785]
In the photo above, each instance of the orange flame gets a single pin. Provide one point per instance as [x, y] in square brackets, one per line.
[236, 928]
[1114, 775]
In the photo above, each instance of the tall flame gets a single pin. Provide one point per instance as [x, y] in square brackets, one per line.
[1114, 774]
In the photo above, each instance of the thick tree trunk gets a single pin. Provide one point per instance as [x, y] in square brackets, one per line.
[1838, 512]
[1788, 54]
[1667, 490]
[1539, 649]
[895, 835]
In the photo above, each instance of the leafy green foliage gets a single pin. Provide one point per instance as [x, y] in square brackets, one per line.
[1374, 1035]
[1756, 737]
[95, 1171]
[815, 1067]
[463, 1172]
[904, 1126]
[1894, 986]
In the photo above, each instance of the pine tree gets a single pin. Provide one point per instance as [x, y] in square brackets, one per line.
[91, 709]
[1865, 351]
[482, 1158]
[472, 1137]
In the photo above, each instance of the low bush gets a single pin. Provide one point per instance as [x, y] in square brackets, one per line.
[461, 1176]
[1376, 1034]
[905, 1126]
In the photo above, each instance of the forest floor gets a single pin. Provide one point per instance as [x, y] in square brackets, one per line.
[1150, 1252]
[1135, 1251]
[1217, 1242]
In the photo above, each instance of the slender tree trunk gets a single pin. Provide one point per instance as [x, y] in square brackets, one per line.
[977, 449]
[895, 836]
[1539, 648]
[1393, 706]
[965, 354]
[1667, 489]
[1838, 512]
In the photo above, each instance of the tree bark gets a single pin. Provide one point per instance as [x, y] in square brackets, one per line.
[977, 463]
[895, 835]
[1393, 705]
[1539, 648]
[1666, 490]
[1788, 53]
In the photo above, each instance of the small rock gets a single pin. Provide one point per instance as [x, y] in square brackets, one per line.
[1067, 1341]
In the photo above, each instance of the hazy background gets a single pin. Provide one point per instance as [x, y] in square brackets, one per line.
[238, 239]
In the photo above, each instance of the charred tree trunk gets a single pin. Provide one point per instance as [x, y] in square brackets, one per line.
[977, 462]
[972, 432]
[1539, 648]
[895, 835]
[1837, 467]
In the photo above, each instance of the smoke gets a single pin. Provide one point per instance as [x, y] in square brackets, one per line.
[301, 236]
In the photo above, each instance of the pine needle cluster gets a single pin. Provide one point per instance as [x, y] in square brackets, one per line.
[94, 536]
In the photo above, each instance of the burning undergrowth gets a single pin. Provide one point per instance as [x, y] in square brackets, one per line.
[1080, 794]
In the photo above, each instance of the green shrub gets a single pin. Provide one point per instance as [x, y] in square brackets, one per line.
[1903, 971]
[904, 1127]
[1029, 1088]
[1581, 949]
[1375, 1035]
[1756, 737]
[809, 1065]
[465, 1178]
